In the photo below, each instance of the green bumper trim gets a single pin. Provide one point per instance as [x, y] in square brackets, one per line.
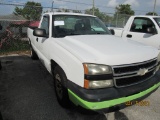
[106, 104]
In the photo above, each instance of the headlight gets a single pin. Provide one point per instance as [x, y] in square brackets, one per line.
[95, 69]
[91, 72]
[98, 84]
[158, 66]
[158, 57]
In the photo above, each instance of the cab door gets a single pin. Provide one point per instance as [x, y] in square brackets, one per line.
[138, 32]
[42, 41]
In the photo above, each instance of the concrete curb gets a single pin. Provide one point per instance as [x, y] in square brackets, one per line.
[13, 55]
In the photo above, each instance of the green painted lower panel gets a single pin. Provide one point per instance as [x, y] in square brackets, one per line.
[106, 104]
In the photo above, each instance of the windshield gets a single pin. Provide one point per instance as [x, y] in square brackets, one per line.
[157, 21]
[67, 25]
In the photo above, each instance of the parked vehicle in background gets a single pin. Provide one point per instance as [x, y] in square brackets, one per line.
[91, 67]
[110, 25]
[144, 29]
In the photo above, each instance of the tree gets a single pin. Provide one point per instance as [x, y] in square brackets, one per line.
[124, 9]
[63, 10]
[123, 12]
[97, 13]
[77, 11]
[31, 11]
[151, 13]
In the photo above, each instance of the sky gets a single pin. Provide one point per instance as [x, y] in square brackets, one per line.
[140, 7]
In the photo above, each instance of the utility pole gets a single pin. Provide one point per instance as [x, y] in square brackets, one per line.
[154, 10]
[52, 6]
[93, 7]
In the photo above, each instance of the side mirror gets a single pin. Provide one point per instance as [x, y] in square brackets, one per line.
[1, 27]
[40, 32]
[151, 30]
[112, 31]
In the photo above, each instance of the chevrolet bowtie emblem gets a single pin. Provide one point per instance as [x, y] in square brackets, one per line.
[142, 72]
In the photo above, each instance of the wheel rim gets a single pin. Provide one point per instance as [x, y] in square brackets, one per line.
[58, 86]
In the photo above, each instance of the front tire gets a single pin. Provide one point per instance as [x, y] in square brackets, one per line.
[33, 54]
[60, 89]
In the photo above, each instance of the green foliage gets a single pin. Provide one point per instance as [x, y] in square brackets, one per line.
[77, 11]
[124, 9]
[66, 10]
[62, 10]
[18, 11]
[96, 12]
[14, 45]
[31, 11]
[151, 13]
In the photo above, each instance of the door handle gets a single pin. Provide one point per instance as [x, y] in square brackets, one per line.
[37, 39]
[129, 36]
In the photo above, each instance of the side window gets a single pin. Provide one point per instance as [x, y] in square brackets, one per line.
[141, 25]
[45, 24]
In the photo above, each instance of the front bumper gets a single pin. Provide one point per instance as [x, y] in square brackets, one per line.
[100, 99]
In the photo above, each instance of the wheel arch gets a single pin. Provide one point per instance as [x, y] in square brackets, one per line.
[53, 66]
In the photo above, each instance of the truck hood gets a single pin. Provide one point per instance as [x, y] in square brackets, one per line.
[106, 49]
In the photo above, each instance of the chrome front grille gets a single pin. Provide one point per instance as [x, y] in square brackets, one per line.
[126, 75]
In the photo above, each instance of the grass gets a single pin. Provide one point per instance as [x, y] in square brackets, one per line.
[14, 47]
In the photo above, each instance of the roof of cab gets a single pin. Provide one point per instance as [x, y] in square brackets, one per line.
[147, 16]
[68, 13]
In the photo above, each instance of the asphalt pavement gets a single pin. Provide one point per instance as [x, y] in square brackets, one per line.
[27, 93]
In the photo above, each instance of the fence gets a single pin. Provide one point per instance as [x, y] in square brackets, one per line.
[119, 20]
[13, 36]
[112, 19]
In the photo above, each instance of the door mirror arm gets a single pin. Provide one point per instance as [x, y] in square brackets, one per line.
[112, 31]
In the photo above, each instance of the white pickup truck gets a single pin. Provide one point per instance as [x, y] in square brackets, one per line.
[91, 67]
[144, 29]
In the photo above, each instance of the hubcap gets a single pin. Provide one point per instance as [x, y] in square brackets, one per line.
[58, 86]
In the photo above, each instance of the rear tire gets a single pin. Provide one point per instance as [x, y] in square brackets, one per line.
[60, 89]
[33, 54]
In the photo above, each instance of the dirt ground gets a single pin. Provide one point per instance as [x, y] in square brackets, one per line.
[25, 52]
